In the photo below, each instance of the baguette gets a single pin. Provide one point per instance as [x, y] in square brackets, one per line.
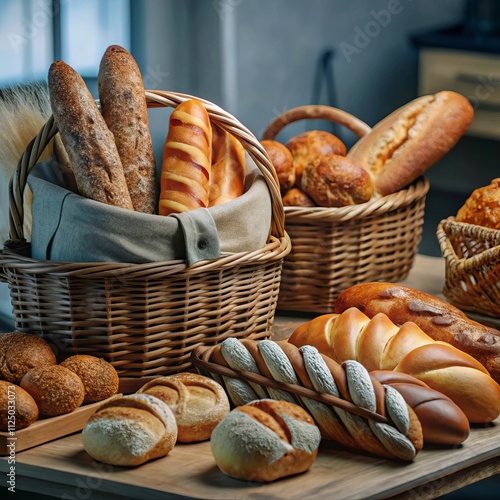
[402, 146]
[123, 105]
[227, 175]
[378, 344]
[86, 138]
[437, 318]
[187, 160]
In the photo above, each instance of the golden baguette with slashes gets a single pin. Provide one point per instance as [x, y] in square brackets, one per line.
[187, 159]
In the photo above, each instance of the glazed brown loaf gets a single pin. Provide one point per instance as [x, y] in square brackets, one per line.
[282, 160]
[437, 318]
[265, 440]
[187, 160]
[402, 146]
[197, 402]
[378, 344]
[86, 138]
[123, 106]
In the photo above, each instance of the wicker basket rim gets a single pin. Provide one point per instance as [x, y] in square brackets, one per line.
[154, 99]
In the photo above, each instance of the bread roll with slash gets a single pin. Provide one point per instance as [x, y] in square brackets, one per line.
[123, 106]
[227, 175]
[378, 344]
[436, 317]
[187, 160]
[86, 138]
[402, 146]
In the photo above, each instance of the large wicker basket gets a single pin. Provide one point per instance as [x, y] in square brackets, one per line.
[335, 248]
[472, 266]
[145, 319]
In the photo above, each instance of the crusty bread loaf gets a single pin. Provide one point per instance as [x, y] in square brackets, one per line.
[402, 146]
[130, 430]
[123, 105]
[437, 318]
[265, 440]
[56, 389]
[17, 408]
[482, 207]
[99, 378]
[19, 352]
[197, 402]
[187, 160]
[282, 160]
[379, 344]
[87, 140]
[335, 181]
[227, 173]
[295, 197]
[308, 145]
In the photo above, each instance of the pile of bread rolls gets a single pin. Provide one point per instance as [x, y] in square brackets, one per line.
[109, 152]
[315, 169]
[41, 387]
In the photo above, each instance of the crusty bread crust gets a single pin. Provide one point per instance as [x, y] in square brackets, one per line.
[402, 146]
[89, 143]
[123, 104]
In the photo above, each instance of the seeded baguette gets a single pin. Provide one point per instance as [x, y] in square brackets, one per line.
[123, 105]
[86, 138]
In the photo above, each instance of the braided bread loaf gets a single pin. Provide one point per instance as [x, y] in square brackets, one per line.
[379, 344]
[397, 434]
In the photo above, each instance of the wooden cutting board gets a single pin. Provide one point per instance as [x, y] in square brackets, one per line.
[47, 429]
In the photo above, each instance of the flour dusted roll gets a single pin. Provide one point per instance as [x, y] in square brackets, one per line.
[187, 160]
[265, 440]
[86, 138]
[227, 174]
[123, 105]
[197, 402]
[402, 146]
[130, 430]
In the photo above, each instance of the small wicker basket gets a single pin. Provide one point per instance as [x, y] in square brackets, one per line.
[145, 319]
[472, 266]
[335, 248]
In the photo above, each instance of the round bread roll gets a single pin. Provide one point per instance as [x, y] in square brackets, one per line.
[402, 146]
[19, 352]
[197, 402]
[295, 197]
[130, 430]
[482, 208]
[308, 145]
[17, 408]
[335, 181]
[282, 161]
[265, 440]
[56, 389]
[100, 379]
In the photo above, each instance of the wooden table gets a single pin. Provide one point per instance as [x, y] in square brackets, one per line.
[62, 468]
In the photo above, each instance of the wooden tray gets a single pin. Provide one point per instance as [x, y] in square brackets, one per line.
[47, 429]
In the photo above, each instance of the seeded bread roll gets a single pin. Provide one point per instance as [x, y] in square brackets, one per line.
[19, 352]
[130, 430]
[86, 138]
[56, 389]
[14, 398]
[265, 440]
[335, 181]
[99, 377]
[198, 403]
[282, 160]
[123, 104]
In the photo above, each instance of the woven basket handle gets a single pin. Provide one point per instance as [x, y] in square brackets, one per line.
[316, 112]
[155, 99]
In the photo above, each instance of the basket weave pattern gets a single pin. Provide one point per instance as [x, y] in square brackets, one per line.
[146, 319]
[472, 265]
[335, 248]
